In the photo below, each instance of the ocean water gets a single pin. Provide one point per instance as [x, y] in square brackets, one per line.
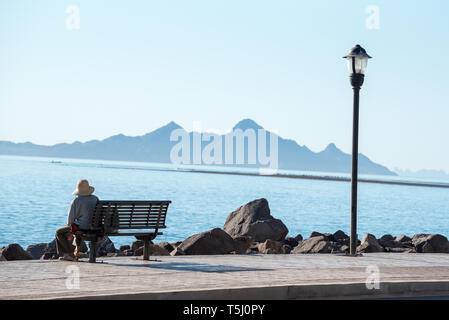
[35, 194]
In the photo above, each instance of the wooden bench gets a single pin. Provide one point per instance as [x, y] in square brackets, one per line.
[141, 219]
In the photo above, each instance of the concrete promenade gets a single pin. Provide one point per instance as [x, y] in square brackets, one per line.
[309, 276]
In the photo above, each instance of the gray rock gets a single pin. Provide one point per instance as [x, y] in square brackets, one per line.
[388, 241]
[138, 252]
[15, 252]
[316, 244]
[123, 248]
[334, 247]
[254, 219]
[287, 248]
[369, 244]
[136, 245]
[430, 243]
[167, 246]
[128, 253]
[2, 258]
[315, 234]
[403, 238]
[327, 236]
[51, 247]
[154, 250]
[242, 244]
[36, 250]
[105, 246]
[48, 256]
[177, 252]
[273, 246]
[254, 248]
[176, 244]
[340, 236]
[292, 242]
[215, 241]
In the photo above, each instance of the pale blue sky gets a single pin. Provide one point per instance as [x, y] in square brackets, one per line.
[133, 66]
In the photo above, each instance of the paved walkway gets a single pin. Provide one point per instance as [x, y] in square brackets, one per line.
[229, 277]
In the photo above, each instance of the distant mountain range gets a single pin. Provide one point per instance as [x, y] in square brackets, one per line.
[156, 146]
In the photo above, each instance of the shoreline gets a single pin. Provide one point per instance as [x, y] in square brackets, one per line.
[98, 164]
[280, 175]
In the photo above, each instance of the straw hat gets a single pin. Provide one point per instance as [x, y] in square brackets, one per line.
[83, 188]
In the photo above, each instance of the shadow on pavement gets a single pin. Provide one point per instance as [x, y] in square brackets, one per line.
[187, 266]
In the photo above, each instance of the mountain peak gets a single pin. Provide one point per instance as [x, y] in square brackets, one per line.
[331, 147]
[247, 124]
[169, 127]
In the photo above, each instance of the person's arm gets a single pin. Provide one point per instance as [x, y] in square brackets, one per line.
[72, 211]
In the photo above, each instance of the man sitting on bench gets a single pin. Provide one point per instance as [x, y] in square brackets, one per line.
[80, 217]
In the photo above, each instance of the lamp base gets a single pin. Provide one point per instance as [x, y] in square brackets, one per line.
[357, 79]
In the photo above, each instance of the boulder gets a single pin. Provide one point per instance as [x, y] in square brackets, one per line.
[105, 246]
[334, 247]
[292, 242]
[388, 241]
[176, 244]
[287, 248]
[51, 247]
[48, 256]
[298, 237]
[316, 244]
[315, 234]
[123, 248]
[369, 244]
[128, 253]
[177, 252]
[340, 236]
[136, 245]
[36, 250]
[327, 236]
[167, 246]
[430, 243]
[254, 219]
[15, 252]
[215, 241]
[2, 258]
[242, 244]
[254, 248]
[138, 252]
[154, 250]
[273, 246]
[402, 238]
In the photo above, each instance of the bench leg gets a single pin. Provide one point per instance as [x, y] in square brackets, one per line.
[92, 251]
[146, 249]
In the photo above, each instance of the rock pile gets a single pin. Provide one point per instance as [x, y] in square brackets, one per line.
[248, 230]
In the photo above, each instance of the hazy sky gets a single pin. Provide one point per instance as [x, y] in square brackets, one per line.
[133, 66]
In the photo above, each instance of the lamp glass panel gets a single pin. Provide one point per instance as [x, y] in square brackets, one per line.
[360, 64]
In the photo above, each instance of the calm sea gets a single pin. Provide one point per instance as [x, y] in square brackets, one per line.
[35, 194]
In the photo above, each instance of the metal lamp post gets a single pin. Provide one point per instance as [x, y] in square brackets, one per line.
[357, 59]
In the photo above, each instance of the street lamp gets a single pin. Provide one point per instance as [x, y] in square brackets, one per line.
[357, 60]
